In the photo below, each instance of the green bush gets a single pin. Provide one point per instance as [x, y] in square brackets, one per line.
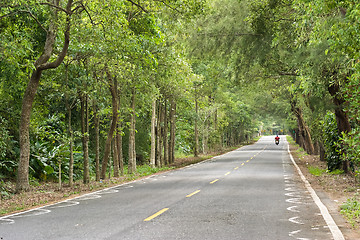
[351, 147]
[331, 142]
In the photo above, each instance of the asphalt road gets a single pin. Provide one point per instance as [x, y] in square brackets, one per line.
[251, 193]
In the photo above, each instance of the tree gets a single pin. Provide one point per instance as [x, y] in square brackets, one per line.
[41, 64]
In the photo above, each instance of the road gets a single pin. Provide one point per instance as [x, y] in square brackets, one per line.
[251, 193]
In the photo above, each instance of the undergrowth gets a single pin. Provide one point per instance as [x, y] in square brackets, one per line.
[351, 210]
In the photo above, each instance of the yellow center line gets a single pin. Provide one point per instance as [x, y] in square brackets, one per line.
[248, 161]
[227, 173]
[236, 168]
[156, 214]
[192, 194]
[214, 181]
[242, 164]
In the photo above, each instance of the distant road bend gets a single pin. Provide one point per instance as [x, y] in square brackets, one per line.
[254, 192]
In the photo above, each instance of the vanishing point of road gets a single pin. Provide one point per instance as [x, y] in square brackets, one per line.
[254, 192]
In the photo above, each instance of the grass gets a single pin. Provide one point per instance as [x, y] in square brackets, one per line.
[290, 140]
[316, 171]
[351, 210]
[319, 171]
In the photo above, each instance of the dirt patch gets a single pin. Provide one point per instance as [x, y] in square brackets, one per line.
[333, 189]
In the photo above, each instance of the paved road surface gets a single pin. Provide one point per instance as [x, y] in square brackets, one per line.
[251, 193]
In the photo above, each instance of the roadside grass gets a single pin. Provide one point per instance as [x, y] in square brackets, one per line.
[351, 210]
[316, 171]
[290, 140]
[299, 150]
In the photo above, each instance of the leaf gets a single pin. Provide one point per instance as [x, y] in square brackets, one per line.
[49, 170]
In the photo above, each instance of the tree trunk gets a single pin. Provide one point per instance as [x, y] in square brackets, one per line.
[120, 152]
[158, 138]
[132, 151]
[41, 64]
[196, 147]
[165, 136]
[97, 142]
[116, 158]
[342, 119]
[22, 180]
[85, 136]
[153, 135]
[71, 146]
[119, 137]
[304, 135]
[205, 137]
[113, 91]
[172, 131]
[70, 131]
[162, 140]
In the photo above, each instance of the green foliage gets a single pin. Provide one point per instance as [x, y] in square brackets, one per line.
[5, 190]
[316, 171]
[351, 210]
[48, 148]
[350, 150]
[7, 164]
[331, 139]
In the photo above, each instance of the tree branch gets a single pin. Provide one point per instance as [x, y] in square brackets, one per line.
[227, 35]
[62, 54]
[54, 6]
[30, 14]
[138, 5]
[167, 5]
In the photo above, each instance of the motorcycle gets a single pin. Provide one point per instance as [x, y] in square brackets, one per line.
[277, 141]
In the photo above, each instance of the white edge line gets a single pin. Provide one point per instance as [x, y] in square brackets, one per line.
[335, 231]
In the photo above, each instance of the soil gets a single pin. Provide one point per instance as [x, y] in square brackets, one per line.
[333, 190]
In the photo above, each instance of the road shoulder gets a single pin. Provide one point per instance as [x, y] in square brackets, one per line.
[331, 189]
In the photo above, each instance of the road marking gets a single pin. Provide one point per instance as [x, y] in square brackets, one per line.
[291, 234]
[227, 173]
[156, 214]
[236, 168]
[192, 194]
[292, 209]
[294, 220]
[294, 200]
[248, 161]
[214, 181]
[242, 164]
[336, 233]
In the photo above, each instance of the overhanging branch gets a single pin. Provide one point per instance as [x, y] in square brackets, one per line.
[138, 5]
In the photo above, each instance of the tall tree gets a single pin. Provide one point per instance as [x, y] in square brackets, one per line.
[41, 64]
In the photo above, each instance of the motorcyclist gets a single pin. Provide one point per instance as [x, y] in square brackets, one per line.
[277, 138]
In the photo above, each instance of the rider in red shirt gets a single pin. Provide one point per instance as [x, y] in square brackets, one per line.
[277, 138]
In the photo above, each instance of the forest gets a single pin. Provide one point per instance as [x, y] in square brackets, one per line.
[91, 89]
